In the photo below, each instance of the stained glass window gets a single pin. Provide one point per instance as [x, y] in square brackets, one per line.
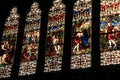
[55, 37]
[29, 53]
[110, 32]
[8, 43]
[81, 34]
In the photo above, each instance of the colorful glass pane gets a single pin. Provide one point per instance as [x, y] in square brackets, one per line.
[81, 34]
[55, 37]
[109, 32]
[8, 43]
[29, 53]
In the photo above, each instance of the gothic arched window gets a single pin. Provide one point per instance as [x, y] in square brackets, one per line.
[81, 34]
[110, 32]
[29, 53]
[55, 37]
[8, 43]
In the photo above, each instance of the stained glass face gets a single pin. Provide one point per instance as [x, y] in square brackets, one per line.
[8, 43]
[110, 32]
[29, 53]
[81, 35]
[55, 37]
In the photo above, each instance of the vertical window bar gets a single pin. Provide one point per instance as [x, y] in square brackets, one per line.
[95, 32]
[67, 42]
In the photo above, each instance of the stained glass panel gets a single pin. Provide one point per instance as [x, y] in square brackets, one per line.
[8, 43]
[110, 32]
[29, 53]
[55, 37]
[81, 34]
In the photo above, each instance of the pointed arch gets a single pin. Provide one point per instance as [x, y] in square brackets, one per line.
[109, 32]
[9, 40]
[55, 37]
[29, 53]
[81, 34]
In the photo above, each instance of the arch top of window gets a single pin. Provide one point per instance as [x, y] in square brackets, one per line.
[34, 10]
[14, 10]
[80, 2]
[35, 5]
[13, 14]
[58, 5]
[13, 17]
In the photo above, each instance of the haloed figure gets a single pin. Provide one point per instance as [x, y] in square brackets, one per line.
[76, 41]
[84, 38]
[110, 35]
[55, 43]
